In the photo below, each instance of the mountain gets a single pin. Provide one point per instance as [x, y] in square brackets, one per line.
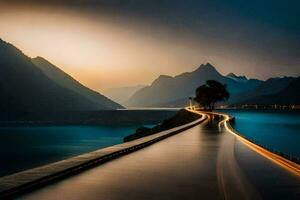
[272, 85]
[64, 80]
[268, 87]
[174, 91]
[276, 91]
[25, 87]
[237, 78]
[122, 94]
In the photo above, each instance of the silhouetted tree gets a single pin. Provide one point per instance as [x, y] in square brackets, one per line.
[210, 93]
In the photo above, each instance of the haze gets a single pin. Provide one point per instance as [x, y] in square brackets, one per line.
[111, 45]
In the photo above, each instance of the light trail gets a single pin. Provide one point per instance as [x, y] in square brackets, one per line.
[279, 160]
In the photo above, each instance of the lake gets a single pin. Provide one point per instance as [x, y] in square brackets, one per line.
[278, 130]
[27, 147]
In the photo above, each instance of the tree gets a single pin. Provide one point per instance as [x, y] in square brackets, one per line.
[210, 93]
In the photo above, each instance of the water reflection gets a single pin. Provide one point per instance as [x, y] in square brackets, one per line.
[26, 147]
[277, 130]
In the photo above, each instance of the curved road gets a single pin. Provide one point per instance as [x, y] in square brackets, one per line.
[204, 162]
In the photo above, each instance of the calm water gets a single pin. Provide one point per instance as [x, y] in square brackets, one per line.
[26, 147]
[279, 130]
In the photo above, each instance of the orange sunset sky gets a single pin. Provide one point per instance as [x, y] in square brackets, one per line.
[104, 50]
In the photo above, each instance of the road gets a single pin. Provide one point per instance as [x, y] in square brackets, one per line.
[204, 162]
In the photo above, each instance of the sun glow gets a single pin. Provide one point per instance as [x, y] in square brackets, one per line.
[97, 50]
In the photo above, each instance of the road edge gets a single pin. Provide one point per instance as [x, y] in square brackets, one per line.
[28, 180]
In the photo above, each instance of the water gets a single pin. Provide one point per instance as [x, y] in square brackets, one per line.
[278, 130]
[26, 147]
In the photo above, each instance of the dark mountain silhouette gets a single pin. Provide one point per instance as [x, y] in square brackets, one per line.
[174, 91]
[122, 94]
[237, 78]
[277, 91]
[66, 81]
[273, 85]
[268, 87]
[25, 87]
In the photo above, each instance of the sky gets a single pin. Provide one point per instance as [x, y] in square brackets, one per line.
[116, 43]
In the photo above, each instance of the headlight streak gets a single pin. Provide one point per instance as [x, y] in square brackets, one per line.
[279, 160]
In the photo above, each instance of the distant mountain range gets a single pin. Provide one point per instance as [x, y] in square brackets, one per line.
[174, 91]
[267, 88]
[237, 78]
[122, 94]
[275, 91]
[36, 85]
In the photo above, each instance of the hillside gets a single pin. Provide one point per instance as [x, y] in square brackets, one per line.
[122, 94]
[66, 81]
[174, 91]
[266, 88]
[282, 95]
[25, 87]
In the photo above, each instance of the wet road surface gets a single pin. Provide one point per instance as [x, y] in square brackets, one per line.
[204, 162]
